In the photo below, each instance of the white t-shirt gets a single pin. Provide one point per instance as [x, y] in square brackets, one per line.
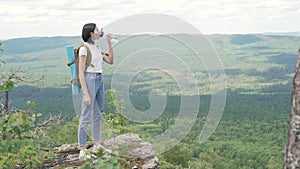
[97, 57]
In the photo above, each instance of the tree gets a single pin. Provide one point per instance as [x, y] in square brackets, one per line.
[181, 154]
[292, 152]
[20, 145]
[1, 61]
[8, 81]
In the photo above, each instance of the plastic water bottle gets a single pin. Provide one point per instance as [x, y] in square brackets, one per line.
[114, 39]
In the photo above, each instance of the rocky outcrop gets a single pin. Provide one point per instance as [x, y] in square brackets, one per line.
[292, 154]
[141, 153]
[129, 146]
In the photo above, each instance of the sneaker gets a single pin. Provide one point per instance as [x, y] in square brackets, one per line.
[105, 150]
[83, 155]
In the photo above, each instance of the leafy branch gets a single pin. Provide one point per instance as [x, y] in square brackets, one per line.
[20, 140]
[8, 81]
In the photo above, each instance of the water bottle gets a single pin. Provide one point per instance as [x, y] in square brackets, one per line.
[114, 39]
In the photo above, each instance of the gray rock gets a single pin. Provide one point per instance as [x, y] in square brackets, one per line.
[141, 154]
[144, 151]
[131, 145]
[151, 163]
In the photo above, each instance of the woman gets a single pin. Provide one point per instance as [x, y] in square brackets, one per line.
[92, 85]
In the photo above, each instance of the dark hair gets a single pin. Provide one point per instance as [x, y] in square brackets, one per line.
[86, 31]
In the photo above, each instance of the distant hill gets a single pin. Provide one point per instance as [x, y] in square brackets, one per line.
[28, 45]
[283, 33]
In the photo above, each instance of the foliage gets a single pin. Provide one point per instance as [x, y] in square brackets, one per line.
[115, 118]
[181, 154]
[19, 145]
[107, 161]
[8, 80]
[61, 133]
[6, 86]
[250, 135]
[165, 165]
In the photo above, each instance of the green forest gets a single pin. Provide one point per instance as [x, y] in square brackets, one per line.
[252, 133]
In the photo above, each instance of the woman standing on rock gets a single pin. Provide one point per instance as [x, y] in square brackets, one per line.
[92, 85]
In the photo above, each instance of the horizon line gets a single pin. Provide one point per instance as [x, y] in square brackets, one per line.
[285, 33]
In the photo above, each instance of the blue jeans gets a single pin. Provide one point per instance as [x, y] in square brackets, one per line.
[94, 111]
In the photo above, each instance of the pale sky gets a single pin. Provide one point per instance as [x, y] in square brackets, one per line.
[32, 18]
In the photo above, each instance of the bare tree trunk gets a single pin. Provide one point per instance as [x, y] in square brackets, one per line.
[6, 104]
[292, 153]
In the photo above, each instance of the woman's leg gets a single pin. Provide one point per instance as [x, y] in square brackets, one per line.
[97, 111]
[83, 124]
[86, 111]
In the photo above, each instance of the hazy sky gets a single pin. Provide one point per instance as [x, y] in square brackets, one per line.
[28, 18]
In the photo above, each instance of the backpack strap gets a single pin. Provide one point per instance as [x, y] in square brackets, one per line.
[104, 53]
[88, 57]
[71, 63]
[88, 62]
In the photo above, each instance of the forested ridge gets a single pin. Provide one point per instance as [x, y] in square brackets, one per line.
[251, 134]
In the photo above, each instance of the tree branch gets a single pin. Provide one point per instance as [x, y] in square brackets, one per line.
[46, 122]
